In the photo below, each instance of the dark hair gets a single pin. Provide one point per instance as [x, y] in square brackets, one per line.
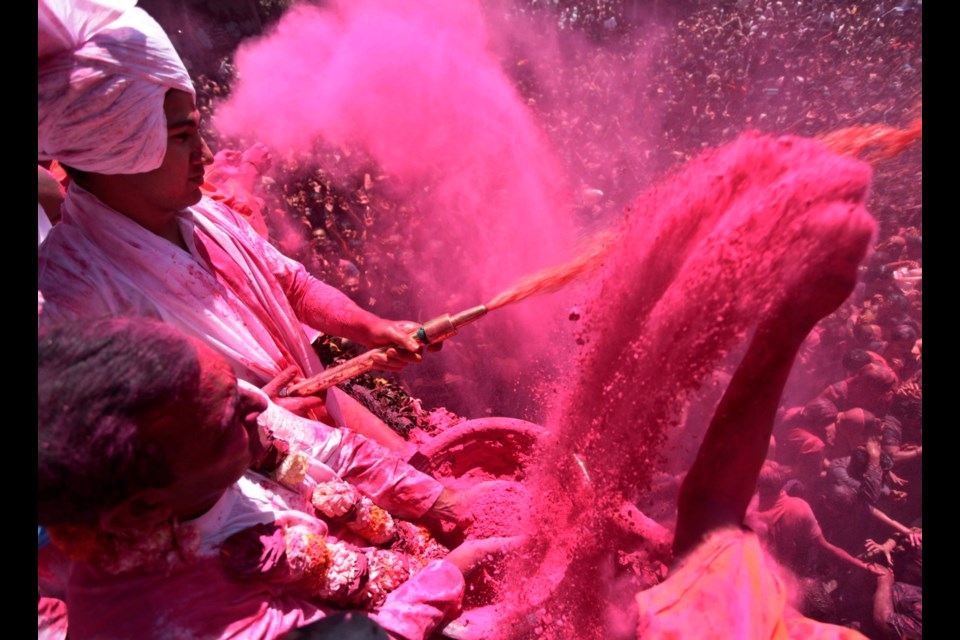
[909, 411]
[903, 333]
[878, 377]
[856, 359]
[819, 412]
[770, 480]
[98, 384]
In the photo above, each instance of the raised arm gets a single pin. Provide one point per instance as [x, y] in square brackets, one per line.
[720, 483]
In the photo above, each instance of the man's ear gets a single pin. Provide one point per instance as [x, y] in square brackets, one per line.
[143, 510]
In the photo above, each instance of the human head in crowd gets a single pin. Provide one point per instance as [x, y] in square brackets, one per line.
[770, 481]
[908, 410]
[818, 413]
[902, 339]
[872, 388]
[856, 359]
[851, 427]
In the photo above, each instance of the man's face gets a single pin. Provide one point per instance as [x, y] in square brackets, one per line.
[175, 184]
[153, 197]
[210, 449]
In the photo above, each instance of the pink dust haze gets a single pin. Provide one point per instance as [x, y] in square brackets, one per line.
[701, 259]
[698, 260]
[413, 83]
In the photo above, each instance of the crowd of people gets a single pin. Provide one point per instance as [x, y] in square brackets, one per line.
[782, 68]
[839, 499]
[848, 463]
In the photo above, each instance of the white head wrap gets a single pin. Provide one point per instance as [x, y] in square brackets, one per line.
[104, 67]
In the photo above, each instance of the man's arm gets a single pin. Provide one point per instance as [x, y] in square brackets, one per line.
[883, 608]
[328, 309]
[721, 481]
[390, 482]
[841, 555]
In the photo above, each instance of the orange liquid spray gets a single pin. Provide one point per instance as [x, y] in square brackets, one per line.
[874, 142]
[558, 276]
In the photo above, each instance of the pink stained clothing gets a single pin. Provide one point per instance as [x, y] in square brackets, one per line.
[727, 588]
[239, 198]
[389, 482]
[233, 290]
[199, 599]
[51, 619]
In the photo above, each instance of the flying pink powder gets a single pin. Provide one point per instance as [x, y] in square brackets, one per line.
[413, 83]
[702, 259]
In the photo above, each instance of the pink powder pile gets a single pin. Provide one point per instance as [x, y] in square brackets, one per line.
[503, 511]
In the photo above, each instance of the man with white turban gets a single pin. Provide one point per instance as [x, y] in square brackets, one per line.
[116, 107]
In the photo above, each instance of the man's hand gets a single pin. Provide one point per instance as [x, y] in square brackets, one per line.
[397, 335]
[298, 405]
[872, 549]
[896, 481]
[915, 538]
[456, 507]
[473, 554]
[448, 507]
[258, 155]
[830, 276]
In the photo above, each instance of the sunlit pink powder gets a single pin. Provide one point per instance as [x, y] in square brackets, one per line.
[414, 84]
[701, 259]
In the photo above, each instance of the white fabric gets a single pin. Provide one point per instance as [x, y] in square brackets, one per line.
[245, 504]
[102, 72]
[99, 262]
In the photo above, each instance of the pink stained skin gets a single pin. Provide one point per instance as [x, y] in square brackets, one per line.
[416, 86]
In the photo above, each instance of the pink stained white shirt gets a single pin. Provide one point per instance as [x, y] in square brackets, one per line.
[232, 290]
[728, 588]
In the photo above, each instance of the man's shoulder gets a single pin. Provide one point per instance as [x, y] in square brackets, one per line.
[220, 213]
[798, 509]
[77, 280]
